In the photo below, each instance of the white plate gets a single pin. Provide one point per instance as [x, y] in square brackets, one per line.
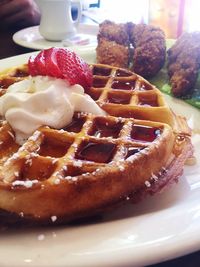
[159, 228]
[31, 38]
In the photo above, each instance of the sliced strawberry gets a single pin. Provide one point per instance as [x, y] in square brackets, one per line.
[73, 68]
[32, 66]
[40, 63]
[66, 65]
[85, 74]
[51, 63]
[61, 63]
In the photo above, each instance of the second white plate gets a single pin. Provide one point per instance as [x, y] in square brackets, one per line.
[31, 38]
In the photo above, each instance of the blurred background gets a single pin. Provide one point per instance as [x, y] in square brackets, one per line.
[173, 16]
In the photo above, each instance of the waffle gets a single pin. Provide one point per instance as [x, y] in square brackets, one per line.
[123, 93]
[94, 162]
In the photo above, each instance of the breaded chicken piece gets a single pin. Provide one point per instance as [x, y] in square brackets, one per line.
[109, 52]
[183, 63]
[114, 32]
[141, 45]
[113, 44]
[149, 49]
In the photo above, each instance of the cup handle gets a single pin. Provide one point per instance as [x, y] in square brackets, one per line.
[79, 7]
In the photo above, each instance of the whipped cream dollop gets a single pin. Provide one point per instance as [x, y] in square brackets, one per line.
[43, 100]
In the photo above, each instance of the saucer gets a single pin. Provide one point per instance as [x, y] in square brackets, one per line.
[31, 38]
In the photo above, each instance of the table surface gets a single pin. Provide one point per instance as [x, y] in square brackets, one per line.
[7, 49]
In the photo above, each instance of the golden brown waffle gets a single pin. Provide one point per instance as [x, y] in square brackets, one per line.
[123, 93]
[12, 75]
[95, 161]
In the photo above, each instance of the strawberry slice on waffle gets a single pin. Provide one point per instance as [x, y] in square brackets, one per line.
[61, 63]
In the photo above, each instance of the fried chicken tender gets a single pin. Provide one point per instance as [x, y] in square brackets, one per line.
[183, 63]
[140, 47]
[109, 52]
[114, 32]
[113, 44]
[149, 49]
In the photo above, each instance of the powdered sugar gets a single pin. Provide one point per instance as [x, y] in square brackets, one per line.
[78, 163]
[53, 218]
[27, 184]
[147, 183]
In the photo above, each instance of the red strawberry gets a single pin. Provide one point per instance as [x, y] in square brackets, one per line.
[40, 63]
[73, 68]
[85, 73]
[67, 66]
[51, 63]
[61, 63]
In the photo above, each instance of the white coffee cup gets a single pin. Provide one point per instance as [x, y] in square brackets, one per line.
[56, 20]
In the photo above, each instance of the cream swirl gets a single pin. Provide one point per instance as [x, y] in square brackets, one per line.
[42, 100]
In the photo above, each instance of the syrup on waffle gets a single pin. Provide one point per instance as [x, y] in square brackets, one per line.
[123, 93]
[95, 161]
